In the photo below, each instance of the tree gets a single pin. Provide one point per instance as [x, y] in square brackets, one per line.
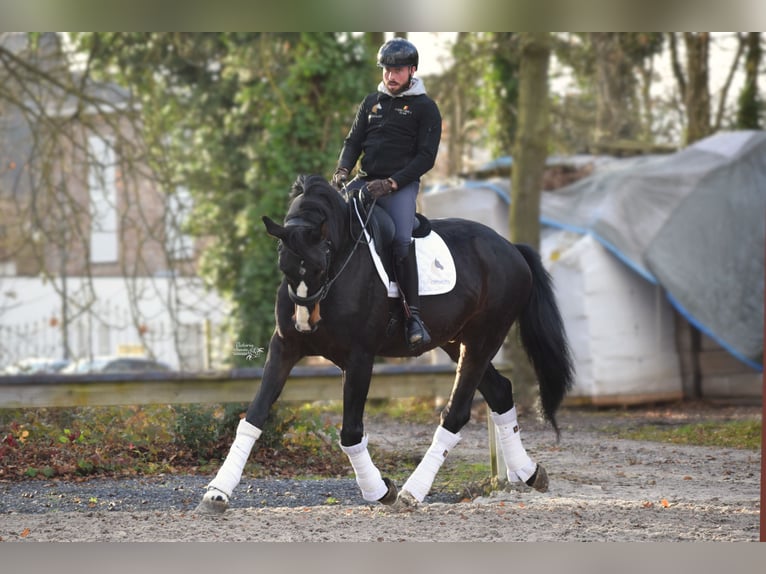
[530, 152]
[750, 104]
[531, 143]
[616, 111]
[463, 105]
[694, 84]
[501, 94]
[614, 73]
[236, 117]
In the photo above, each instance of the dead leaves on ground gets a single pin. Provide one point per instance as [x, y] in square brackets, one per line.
[664, 503]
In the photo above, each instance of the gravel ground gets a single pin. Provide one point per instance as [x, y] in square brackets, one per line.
[602, 489]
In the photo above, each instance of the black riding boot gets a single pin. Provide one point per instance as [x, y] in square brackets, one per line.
[407, 277]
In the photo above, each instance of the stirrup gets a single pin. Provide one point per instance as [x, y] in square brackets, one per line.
[417, 334]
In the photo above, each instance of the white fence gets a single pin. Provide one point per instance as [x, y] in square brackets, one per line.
[172, 319]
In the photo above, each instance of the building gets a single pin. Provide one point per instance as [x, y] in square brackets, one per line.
[93, 256]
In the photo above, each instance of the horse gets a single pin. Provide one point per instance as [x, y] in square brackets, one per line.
[330, 304]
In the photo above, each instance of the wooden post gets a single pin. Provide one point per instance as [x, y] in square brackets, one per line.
[493, 450]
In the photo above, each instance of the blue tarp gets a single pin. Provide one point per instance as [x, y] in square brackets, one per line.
[693, 222]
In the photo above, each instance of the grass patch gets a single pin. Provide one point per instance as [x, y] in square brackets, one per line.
[455, 476]
[421, 411]
[410, 410]
[741, 434]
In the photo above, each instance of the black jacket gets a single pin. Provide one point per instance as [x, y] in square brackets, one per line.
[396, 136]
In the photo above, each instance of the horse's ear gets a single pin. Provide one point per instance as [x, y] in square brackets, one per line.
[273, 228]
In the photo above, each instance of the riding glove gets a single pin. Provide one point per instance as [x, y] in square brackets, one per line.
[379, 187]
[340, 177]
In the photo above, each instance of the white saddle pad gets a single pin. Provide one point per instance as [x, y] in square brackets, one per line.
[436, 267]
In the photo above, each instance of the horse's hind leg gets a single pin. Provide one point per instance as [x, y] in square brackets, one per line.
[498, 393]
[497, 390]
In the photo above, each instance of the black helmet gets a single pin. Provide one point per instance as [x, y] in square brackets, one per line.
[397, 52]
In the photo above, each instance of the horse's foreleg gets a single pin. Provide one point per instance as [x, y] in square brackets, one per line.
[421, 479]
[353, 441]
[447, 435]
[374, 487]
[279, 362]
[216, 498]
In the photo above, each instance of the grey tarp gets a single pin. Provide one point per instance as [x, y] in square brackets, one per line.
[693, 222]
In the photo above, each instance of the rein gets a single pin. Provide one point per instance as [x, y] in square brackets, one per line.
[324, 289]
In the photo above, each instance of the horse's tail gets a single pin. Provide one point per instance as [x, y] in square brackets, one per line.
[544, 338]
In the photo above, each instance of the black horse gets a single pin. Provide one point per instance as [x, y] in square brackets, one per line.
[331, 304]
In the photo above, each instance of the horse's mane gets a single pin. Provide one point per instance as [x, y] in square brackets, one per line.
[320, 204]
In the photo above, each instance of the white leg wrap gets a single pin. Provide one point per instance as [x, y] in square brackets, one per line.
[230, 473]
[367, 474]
[520, 467]
[420, 481]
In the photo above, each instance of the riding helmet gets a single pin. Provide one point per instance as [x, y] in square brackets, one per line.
[397, 52]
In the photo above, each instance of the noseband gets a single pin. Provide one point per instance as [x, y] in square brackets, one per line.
[309, 300]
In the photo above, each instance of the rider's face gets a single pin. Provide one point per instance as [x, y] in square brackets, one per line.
[397, 79]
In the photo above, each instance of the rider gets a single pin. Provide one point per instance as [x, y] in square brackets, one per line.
[396, 132]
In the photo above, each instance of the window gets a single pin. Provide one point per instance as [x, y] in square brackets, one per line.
[179, 244]
[103, 200]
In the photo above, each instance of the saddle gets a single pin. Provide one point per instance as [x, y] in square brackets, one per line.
[380, 226]
[436, 268]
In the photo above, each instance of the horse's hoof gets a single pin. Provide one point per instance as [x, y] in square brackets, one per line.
[539, 480]
[390, 497]
[405, 502]
[213, 502]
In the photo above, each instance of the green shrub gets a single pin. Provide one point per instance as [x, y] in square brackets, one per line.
[202, 428]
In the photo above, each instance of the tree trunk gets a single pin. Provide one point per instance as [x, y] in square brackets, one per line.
[748, 111]
[727, 84]
[530, 148]
[616, 115]
[457, 121]
[697, 89]
[529, 155]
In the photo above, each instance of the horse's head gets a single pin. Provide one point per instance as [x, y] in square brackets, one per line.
[307, 241]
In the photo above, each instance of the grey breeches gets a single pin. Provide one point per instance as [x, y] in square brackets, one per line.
[400, 205]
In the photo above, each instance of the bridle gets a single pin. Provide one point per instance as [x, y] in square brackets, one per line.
[309, 301]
